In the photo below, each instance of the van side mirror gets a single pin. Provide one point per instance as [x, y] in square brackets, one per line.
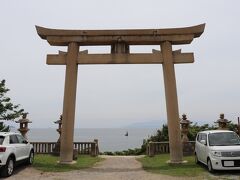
[203, 142]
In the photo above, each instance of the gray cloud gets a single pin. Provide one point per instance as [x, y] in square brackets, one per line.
[117, 95]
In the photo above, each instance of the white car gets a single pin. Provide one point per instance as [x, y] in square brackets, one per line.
[218, 149]
[14, 149]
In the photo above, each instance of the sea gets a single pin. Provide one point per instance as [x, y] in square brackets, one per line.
[109, 139]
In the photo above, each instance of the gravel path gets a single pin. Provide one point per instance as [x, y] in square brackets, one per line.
[112, 168]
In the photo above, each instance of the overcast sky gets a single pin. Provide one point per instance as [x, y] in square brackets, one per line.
[119, 95]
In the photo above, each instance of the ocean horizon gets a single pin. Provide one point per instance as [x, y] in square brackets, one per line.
[109, 139]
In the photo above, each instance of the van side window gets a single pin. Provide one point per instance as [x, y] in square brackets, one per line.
[204, 137]
[199, 137]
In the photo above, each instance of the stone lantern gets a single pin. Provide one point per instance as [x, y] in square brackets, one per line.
[23, 129]
[185, 127]
[59, 129]
[56, 150]
[188, 148]
[222, 123]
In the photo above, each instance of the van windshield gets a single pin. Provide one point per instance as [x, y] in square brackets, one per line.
[223, 139]
[1, 139]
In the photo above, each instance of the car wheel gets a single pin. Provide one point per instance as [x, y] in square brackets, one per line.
[8, 168]
[31, 158]
[196, 159]
[209, 165]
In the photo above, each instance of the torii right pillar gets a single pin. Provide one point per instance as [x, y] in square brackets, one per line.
[174, 133]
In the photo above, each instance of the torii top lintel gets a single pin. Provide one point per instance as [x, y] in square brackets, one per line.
[59, 37]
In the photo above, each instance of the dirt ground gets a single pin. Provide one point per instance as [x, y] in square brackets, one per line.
[112, 168]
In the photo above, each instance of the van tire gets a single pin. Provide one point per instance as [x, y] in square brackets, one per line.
[209, 165]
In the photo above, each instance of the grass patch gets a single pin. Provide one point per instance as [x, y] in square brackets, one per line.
[48, 163]
[157, 164]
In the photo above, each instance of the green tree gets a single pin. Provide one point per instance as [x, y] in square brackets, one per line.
[162, 134]
[233, 127]
[4, 128]
[8, 111]
[195, 128]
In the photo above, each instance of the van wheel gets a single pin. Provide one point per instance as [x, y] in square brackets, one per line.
[209, 165]
[196, 159]
[30, 158]
[8, 168]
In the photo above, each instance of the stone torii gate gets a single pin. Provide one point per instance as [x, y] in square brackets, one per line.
[120, 42]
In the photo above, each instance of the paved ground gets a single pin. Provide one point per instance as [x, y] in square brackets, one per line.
[113, 168]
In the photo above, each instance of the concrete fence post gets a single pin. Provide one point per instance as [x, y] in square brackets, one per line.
[151, 151]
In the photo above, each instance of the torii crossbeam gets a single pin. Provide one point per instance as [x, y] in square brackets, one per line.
[120, 42]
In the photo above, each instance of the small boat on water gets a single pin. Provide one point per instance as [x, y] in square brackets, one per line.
[126, 134]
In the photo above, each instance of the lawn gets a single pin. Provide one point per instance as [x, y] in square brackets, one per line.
[157, 164]
[49, 163]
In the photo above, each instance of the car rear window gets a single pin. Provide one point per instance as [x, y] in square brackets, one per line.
[1, 139]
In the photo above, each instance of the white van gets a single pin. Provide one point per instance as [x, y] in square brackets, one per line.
[218, 149]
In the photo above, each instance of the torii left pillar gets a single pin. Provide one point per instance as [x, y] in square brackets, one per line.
[66, 153]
